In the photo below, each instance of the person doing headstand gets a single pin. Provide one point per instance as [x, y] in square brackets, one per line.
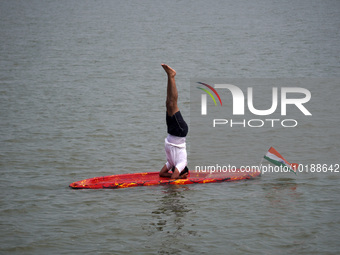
[175, 145]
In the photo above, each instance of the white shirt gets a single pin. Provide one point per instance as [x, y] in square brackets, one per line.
[176, 153]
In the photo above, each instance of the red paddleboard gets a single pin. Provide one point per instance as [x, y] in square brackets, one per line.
[152, 178]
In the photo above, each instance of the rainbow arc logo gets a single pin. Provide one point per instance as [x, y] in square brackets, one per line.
[204, 97]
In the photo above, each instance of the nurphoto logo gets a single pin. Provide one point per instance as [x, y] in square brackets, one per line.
[295, 96]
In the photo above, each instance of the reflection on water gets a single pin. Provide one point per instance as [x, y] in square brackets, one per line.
[283, 215]
[281, 193]
[282, 196]
[171, 219]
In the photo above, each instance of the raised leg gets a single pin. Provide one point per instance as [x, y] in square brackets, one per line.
[172, 94]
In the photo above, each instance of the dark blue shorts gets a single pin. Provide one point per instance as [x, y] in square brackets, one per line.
[176, 125]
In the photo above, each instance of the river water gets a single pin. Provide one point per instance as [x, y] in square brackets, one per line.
[82, 94]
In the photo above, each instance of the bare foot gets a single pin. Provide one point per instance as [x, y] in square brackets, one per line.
[171, 72]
